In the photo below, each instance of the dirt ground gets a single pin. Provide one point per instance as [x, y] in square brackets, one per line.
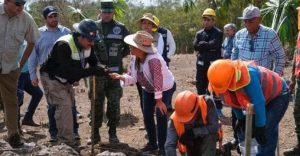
[183, 68]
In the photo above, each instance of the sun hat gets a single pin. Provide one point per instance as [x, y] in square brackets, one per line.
[141, 40]
[149, 17]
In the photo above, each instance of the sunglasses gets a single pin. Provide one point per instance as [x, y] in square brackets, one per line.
[251, 45]
[18, 3]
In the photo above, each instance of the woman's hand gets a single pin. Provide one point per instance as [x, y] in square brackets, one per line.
[161, 106]
[117, 76]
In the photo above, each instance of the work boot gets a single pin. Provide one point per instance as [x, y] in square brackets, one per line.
[113, 138]
[97, 138]
[30, 123]
[15, 141]
[149, 147]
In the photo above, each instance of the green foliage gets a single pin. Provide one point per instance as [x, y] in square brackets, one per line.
[183, 18]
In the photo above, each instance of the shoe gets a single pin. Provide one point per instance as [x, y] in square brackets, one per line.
[292, 152]
[15, 141]
[96, 141]
[76, 136]
[113, 139]
[142, 128]
[149, 147]
[30, 123]
[53, 139]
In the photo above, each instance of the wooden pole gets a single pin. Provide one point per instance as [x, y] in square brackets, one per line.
[248, 137]
[93, 111]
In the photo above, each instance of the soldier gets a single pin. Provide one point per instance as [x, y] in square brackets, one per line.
[110, 52]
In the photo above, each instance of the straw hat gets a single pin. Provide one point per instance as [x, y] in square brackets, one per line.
[141, 40]
[149, 17]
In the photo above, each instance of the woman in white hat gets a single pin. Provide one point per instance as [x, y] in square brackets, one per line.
[157, 81]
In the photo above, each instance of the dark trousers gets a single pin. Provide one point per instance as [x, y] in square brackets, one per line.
[158, 132]
[201, 78]
[24, 84]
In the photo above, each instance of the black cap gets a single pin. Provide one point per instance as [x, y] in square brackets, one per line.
[107, 6]
[49, 10]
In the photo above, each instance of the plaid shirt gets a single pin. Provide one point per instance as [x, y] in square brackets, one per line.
[227, 47]
[264, 47]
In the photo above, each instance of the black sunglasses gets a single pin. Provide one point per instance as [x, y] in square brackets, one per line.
[251, 43]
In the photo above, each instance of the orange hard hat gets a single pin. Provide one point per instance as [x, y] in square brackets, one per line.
[186, 106]
[220, 74]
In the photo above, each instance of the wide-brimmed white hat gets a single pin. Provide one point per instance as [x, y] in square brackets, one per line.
[141, 40]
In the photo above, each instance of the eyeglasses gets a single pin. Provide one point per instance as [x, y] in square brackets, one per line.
[251, 45]
[18, 3]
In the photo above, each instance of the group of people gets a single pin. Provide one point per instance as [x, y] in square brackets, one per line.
[245, 68]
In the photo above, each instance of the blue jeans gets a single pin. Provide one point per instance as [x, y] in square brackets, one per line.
[24, 84]
[275, 111]
[52, 122]
[161, 120]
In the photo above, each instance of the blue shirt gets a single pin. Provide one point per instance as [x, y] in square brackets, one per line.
[43, 47]
[227, 47]
[21, 52]
[256, 96]
[264, 47]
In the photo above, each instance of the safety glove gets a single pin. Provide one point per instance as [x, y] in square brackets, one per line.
[187, 137]
[101, 70]
[259, 133]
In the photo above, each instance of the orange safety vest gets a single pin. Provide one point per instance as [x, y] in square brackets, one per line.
[271, 84]
[297, 56]
[180, 126]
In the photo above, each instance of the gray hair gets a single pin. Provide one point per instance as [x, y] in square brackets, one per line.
[230, 26]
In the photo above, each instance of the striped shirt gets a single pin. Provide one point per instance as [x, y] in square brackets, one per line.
[265, 47]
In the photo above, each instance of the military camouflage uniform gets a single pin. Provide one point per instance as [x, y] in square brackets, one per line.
[110, 52]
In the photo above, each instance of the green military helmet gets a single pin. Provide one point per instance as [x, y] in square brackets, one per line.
[107, 6]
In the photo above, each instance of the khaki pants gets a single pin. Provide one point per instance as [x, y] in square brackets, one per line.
[8, 91]
[62, 97]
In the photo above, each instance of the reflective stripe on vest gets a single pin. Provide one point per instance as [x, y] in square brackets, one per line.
[297, 54]
[271, 85]
[180, 126]
[75, 52]
[242, 75]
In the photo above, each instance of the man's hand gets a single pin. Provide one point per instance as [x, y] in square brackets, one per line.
[35, 82]
[203, 44]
